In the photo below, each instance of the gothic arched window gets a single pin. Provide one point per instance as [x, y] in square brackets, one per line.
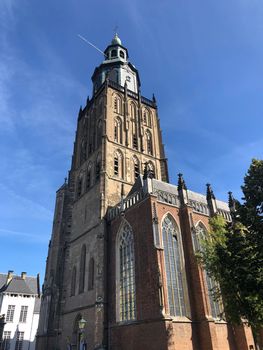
[173, 267]
[118, 130]
[199, 235]
[83, 151]
[91, 274]
[82, 269]
[73, 282]
[88, 176]
[117, 104]
[122, 54]
[118, 164]
[99, 133]
[126, 297]
[79, 185]
[136, 167]
[149, 145]
[150, 168]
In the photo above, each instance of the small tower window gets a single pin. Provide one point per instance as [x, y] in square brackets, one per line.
[122, 54]
[79, 186]
[136, 167]
[88, 179]
[117, 105]
[116, 165]
[135, 142]
[149, 142]
[118, 130]
[113, 53]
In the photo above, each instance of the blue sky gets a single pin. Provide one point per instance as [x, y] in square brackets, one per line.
[202, 59]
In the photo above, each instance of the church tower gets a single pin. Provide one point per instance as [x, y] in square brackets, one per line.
[121, 271]
[118, 136]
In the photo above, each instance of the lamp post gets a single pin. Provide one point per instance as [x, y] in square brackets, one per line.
[81, 324]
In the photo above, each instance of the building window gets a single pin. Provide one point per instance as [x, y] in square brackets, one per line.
[136, 167]
[83, 151]
[19, 341]
[198, 235]
[79, 186]
[113, 53]
[10, 313]
[88, 177]
[122, 54]
[82, 269]
[73, 281]
[149, 142]
[23, 314]
[126, 273]
[6, 340]
[117, 104]
[150, 169]
[118, 164]
[135, 141]
[118, 130]
[91, 274]
[173, 268]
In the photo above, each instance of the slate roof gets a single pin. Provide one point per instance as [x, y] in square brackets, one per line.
[18, 285]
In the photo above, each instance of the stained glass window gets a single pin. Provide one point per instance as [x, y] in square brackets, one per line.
[173, 267]
[127, 306]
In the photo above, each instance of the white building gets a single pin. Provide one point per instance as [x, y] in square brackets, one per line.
[20, 303]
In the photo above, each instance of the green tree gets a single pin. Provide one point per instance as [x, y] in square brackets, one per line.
[233, 253]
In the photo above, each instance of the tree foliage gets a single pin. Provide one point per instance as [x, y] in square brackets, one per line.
[233, 254]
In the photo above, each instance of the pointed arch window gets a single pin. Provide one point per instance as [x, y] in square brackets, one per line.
[173, 267]
[88, 177]
[82, 269]
[149, 142]
[117, 104]
[91, 274]
[150, 168]
[136, 166]
[118, 130]
[73, 281]
[199, 235]
[126, 297]
[83, 151]
[79, 185]
[118, 164]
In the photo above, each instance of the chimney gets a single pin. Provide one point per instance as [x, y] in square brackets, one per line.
[23, 275]
[10, 274]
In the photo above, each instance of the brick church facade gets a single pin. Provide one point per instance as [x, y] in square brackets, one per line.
[122, 251]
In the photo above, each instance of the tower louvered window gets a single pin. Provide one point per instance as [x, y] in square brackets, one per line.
[173, 267]
[198, 235]
[127, 306]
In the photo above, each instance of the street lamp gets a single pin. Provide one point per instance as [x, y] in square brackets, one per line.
[81, 324]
